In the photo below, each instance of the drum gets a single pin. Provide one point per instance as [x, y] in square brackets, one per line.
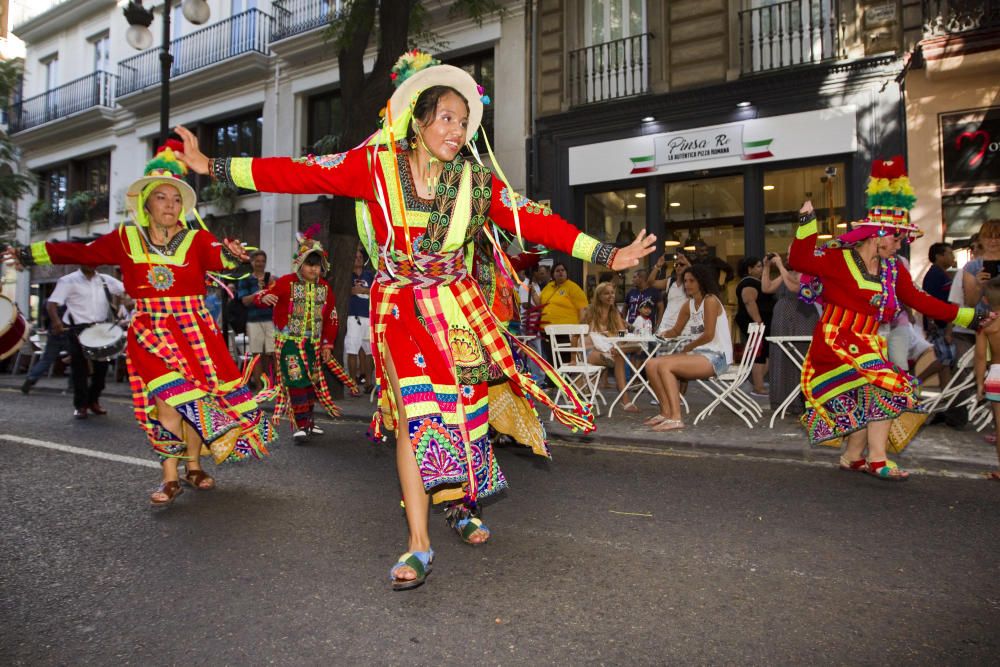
[103, 341]
[13, 328]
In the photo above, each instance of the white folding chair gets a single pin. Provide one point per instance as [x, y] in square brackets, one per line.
[569, 359]
[726, 386]
[963, 379]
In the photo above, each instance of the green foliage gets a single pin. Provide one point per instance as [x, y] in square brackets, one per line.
[12, 184]
[82, 203]
[327, 144]
[223, 196]
[40, 214]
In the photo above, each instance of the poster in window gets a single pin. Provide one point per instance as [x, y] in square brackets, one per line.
[970, 151]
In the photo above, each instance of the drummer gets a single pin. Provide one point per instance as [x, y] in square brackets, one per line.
[85, 294]
[186, 389]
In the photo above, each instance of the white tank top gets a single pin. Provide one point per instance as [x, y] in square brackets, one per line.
[722, 342]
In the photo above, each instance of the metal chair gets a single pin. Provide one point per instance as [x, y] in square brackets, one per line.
[569, 359]
[726, 386]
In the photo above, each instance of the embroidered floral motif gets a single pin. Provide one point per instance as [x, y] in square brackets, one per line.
[523, 202]
[160, 277]
[467, 391]
[395, 312]
[419, 360]
[331, 161]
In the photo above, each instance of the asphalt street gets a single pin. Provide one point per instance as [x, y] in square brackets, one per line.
[606, 555]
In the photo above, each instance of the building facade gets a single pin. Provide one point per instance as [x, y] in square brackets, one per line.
[257, 79]
[708, 122]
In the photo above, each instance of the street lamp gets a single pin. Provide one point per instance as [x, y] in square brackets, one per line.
[140, 38]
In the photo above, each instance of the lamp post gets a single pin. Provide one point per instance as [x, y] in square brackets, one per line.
[140, 38]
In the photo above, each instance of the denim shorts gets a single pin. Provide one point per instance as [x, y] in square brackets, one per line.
[717, 359]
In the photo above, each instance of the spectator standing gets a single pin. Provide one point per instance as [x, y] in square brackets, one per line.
[754, 305]
[562, 299]
[673, 289]
[791, 317]
[358, 341]
[988, 345]
[85, 293]
[964, 338]
[259, 327]
[937, 283]
[641, 291]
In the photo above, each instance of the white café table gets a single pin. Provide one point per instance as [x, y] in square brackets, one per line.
[648, 345]
[790, 347]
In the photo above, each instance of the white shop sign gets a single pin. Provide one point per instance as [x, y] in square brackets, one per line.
[788, 137]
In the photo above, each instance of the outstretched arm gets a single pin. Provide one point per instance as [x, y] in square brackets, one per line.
[345, 174]
[803, 255]
[540, 225]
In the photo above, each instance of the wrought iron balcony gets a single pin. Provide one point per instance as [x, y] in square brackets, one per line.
[950, 17]
[93, 90]
[292, 17]
[786, 34]
[608, 71]
[246, 32]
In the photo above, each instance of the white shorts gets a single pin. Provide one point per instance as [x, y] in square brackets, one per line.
[260, 337]
[359, 335]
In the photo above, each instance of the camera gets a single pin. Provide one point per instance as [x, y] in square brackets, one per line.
[830, 171]
[770, 255]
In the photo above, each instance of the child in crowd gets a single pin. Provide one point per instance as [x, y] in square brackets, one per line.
[305, 329]
[643, 323]
[988, 346]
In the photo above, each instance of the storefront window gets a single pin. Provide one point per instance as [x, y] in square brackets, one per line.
[965, 214]
[786, 189]
[615, 217]
[706, 217]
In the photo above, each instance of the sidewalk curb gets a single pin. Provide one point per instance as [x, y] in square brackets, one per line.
[817, 455]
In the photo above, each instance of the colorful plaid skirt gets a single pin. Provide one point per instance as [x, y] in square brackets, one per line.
[177, 354]
[457, 376]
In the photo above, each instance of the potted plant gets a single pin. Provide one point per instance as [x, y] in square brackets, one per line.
[40, 214]
[80, 205]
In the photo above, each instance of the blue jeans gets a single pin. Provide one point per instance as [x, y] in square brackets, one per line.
[55, 345]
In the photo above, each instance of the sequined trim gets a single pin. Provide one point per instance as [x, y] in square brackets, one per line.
[412, 201]
[170, 249]
[604, 253]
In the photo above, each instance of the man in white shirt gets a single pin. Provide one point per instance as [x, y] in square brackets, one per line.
[85, 295]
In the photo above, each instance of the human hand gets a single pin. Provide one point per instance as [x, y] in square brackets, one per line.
[237, 249]
[10, 255]
[807, 207]
[192, 155]
[326, 354]
[58, 327]
[630, 255]
[269, 299]
[984, 277]
[980, 394]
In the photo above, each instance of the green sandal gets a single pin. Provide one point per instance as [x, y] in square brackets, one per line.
[465, 522]
[419, 561]
[886, 471]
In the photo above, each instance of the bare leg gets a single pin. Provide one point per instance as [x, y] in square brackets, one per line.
[675, 367]
[996, 421]
[878, 438]
[415, 498]
[352, 365]
[365, 366]
[856, 442]
[757, 374]
[171, 421]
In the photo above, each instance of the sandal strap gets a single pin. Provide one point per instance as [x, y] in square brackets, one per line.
[884, 469]
[420, 561]
[470, 526]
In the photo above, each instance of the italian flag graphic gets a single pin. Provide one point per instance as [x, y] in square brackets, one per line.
[757, 150]
[643, 164]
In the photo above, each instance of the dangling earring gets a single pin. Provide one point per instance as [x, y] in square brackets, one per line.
[413, 143]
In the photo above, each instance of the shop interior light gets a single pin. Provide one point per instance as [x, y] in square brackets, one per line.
[743, 105]
[648, 119]
[824, 237]
[631, 206]
[640, 195]
[768, 187]
[690, 248]
[671, 240]
[841, 225]
[675, 204]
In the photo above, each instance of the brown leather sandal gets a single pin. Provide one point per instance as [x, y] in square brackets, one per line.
[170, 489]
[197, 479]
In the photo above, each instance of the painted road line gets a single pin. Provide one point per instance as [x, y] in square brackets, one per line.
[79, 450]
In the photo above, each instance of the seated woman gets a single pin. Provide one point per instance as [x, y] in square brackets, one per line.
[708, 354]
[605, 322]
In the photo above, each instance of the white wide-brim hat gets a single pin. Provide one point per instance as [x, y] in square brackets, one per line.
[188, 197]
[440, 75]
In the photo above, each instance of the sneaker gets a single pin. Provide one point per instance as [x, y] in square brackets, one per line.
[315, 430]
[28, 384]
[759, 394]
[80, 413]
[299, 437]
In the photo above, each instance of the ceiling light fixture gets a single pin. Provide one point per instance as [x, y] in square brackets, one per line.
[640, 195]
[631, 206]
[675, 204]
[648, 119]
[768, 187]
[743, 105]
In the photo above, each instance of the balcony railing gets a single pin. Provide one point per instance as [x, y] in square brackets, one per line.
[292, 17]
[245, 32]
[93, 90]
[950, 17]
[609, 71]
[786, 34]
